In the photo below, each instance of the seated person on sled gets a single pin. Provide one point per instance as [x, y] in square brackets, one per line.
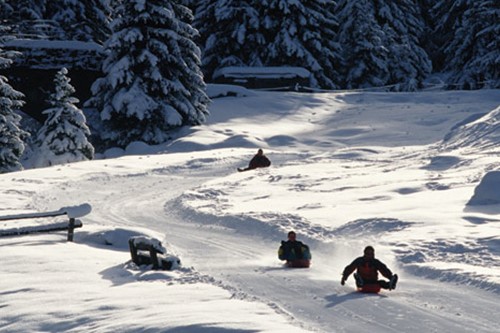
[258, 161]
[366, 276]
[295, 252]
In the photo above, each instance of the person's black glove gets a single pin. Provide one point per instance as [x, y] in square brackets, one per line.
[342, 282]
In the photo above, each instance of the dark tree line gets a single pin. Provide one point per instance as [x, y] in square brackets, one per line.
[356, 43]
[160, 53]
[11, 135]
[152, 79]
[343, 43]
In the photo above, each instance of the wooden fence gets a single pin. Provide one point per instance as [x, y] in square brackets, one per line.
[72, 212]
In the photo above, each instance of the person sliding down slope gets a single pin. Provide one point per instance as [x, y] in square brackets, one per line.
[367, 269]
[258, 161]
[296, 253]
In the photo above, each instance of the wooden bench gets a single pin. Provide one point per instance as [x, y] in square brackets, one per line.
[72, 212]
[145, 250]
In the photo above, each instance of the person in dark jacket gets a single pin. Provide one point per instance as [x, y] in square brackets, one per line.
[293, 249]
[258, 161]
[367, 269]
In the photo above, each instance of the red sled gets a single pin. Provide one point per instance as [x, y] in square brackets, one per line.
[298, 263]
[373, 288]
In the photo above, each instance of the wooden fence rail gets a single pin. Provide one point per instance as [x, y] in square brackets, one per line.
[72, 212]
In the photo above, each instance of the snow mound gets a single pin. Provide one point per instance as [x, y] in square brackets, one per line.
[142, 240]
[453, 261]
[227, 90]
[443, 162]
[77, 211]
[481, 133]
[373, 226]
[115, 237]
[488, 190]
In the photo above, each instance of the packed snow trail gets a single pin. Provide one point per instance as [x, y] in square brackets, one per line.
[244, 260]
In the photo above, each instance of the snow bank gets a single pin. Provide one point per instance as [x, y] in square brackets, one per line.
[263, 72]
[488, 190]
[481, 133]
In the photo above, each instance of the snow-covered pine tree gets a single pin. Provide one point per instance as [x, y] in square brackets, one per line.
[473, 54]
[153, 82]
[191, 75]
[6, 10]
[113, 4]
[98, 24]
[62, 19]
[364, 42]
[191, 4]
[27, 9]
[81, 20]
[403, 23]
[11, 135]
[446, 15]
[230, 34]
[63, 138]
[29, 20]
[430, 41]
[303, 33]
[386, 36]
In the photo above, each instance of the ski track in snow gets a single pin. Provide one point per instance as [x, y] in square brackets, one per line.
[238, 253]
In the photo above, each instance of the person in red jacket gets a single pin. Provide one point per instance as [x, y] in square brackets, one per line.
[367, 269]
[258, 161]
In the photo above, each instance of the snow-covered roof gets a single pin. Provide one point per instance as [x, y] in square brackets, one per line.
[53, 44]
[55, 54]
[262, 72]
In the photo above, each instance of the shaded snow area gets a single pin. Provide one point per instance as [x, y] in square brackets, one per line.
[483, 133]
[488, 190]
[413, 174]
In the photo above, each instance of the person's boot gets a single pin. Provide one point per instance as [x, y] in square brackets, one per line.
[359, 280]
[393, 282]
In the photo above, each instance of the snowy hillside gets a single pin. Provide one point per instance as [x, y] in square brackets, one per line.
[392, 170]
[484, 133]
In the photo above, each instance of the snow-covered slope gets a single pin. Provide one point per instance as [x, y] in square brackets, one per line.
[481, 134]
[348, 170]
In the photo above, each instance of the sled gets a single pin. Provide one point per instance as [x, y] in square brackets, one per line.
[298, 263]
[246, 169]
[371, 288]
